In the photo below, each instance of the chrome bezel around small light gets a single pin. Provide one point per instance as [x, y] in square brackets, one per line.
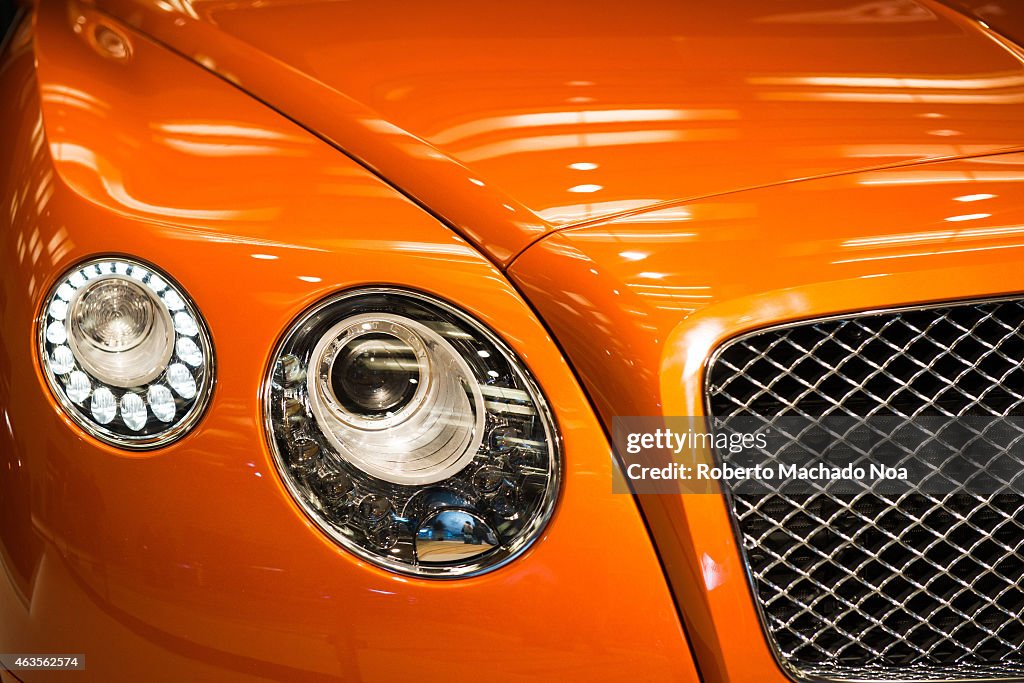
[79, 414]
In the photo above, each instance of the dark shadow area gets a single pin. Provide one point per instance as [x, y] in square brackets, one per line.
[8, 10]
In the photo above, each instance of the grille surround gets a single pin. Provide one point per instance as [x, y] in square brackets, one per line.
[872, 664]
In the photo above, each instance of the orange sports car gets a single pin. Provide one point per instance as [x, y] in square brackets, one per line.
[320, 320]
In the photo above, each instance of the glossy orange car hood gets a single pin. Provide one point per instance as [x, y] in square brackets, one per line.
[512, 120]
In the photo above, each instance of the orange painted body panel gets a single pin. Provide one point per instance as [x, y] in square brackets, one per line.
[640, 303]
[192, 562]
[512, 120]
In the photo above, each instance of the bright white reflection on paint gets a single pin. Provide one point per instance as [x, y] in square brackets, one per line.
[967, 217]
[633, 255]
[586, 188]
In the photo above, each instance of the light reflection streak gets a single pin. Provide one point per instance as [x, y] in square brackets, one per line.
[672, 287]
[660, 216]
[714, 573]
[972, 83]
[634, 255]
[937, 252]
[56, 93]
[906, 98]
[672, 297]
[221, 149]
[628, 236]
[575, 212]
[225, 130]
[429, 248]
[935, 236]
[544, 143]
[698, 342]
[59, 245]
[113, 184]
[485, 126]
[228, 139]
[911, 151]
[210, 236]
[967, 217]
[179, 7]
[931, 177]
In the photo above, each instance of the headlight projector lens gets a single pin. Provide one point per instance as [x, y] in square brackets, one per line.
[395, 400]
[411, 434]
[374, 374]
[126, 352]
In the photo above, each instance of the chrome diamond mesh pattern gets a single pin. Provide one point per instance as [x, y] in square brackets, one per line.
[871, 586]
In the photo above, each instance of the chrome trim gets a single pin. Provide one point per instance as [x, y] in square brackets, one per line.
[505, 555]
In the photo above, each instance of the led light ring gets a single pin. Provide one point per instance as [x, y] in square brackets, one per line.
[90, 403]
[367, 434]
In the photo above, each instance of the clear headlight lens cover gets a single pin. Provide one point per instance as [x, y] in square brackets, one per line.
[126, 353]
[411, 434]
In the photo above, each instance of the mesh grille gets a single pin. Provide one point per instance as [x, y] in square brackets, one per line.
[873, 586]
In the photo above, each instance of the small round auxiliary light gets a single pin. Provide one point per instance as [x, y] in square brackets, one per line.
[126, 353]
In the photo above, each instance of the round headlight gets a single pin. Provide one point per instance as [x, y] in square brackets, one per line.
[411, 434]
[126, 353]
